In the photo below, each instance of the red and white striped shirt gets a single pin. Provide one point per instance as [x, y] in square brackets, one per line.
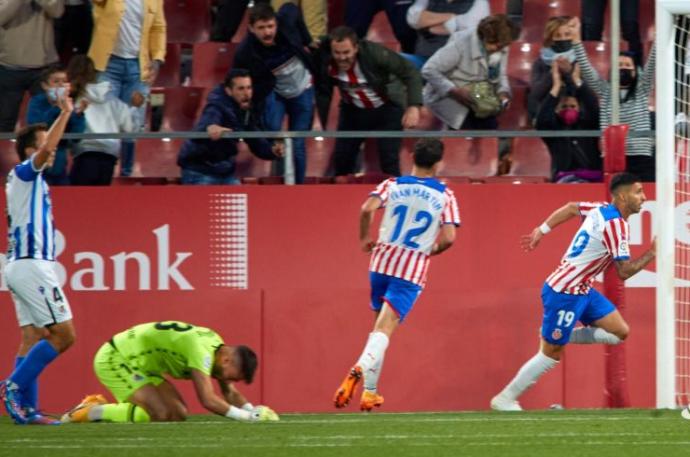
[354, 87]
[415, 210]
[602, 238]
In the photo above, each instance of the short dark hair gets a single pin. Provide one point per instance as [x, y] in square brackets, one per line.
[248, 362]
[233, 74]
[622, 179]
[427, 152]
[343, 33]
[498, 29]
[27, 138]
[261, 12]
[55, 68]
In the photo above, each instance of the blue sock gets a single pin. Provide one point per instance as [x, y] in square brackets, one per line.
[30, 394]
[35, 361]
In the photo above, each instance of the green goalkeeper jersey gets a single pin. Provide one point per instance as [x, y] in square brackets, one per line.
[169, 347]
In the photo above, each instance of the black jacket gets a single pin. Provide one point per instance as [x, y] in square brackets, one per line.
[217, 158]
[291, 31]
[387, 72]
[568, 153]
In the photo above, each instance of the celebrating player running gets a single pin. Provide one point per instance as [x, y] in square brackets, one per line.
[568, 296]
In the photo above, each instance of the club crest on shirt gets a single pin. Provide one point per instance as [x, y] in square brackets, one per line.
[556, 334]
[207, 362]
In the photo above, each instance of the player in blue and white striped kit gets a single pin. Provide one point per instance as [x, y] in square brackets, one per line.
[43, 312]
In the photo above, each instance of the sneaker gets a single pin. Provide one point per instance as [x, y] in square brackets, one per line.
[500, 403]
[40, 419]
[369, 400]
[80, 413]
[12, 400]
[347, 388]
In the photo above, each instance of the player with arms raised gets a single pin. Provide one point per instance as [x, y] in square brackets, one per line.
[43, 312]
[420, 218]
[568, 296]
[133, 365]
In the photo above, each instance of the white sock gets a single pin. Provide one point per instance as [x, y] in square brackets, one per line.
[530, 372]
[371, 377]
[590, 335]
[373, 352]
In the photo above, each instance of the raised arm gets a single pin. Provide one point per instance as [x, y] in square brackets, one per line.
[55, 133]
[561, 215]
[647, 80]
[589, 74]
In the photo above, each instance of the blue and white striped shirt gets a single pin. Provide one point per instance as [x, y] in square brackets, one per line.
[31, 232]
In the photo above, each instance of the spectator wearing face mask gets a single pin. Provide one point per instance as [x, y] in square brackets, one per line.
[635, 88]
[557, 50]
[43, 108]
[571, 107]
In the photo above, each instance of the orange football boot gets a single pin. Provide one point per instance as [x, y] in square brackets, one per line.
[369, 400]
[347, 388]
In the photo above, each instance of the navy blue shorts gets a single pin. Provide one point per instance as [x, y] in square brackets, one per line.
[563, 311]
[398, 293]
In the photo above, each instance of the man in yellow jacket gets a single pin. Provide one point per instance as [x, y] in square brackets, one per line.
[128, 48]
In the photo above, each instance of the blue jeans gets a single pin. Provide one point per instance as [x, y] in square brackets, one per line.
[125, 78]
[300, 111]
[195, 178]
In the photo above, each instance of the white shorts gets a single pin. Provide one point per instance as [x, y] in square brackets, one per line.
[38, 297]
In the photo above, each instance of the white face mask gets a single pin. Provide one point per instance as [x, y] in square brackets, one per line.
[495, 58]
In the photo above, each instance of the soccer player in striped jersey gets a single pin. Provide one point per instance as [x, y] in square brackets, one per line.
[42, 309]
[568, 296]
[419, 221]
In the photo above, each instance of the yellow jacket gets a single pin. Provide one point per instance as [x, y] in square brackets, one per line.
[106, 25]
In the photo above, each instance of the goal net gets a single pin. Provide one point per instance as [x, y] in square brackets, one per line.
[673, 204]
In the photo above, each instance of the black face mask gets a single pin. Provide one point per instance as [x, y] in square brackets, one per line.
[562, 46]
[626, 77]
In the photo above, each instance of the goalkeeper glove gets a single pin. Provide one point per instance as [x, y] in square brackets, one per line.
[263, 414]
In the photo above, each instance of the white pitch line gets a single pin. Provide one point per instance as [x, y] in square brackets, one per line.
[511, 444]
[409, 420]
[244, 440]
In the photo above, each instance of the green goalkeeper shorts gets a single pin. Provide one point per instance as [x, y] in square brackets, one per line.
[119, 377]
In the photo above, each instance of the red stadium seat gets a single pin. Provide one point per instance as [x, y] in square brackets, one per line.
[515, 117]
[140, 181]
[211, 62]
[380, 30]
[158, 158]
[169, 75]
[247, 164]
[521, 58]
[530, 157]
[188, 21]
[182, 107]
[506, 179]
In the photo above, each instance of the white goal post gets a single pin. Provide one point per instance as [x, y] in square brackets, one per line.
[672, 185]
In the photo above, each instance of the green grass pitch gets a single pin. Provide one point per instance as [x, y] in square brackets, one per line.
[532, 434]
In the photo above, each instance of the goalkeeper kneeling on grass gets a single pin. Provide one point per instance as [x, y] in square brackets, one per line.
[133, 363]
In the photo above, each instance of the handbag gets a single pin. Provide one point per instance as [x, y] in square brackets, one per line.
[485, 101]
